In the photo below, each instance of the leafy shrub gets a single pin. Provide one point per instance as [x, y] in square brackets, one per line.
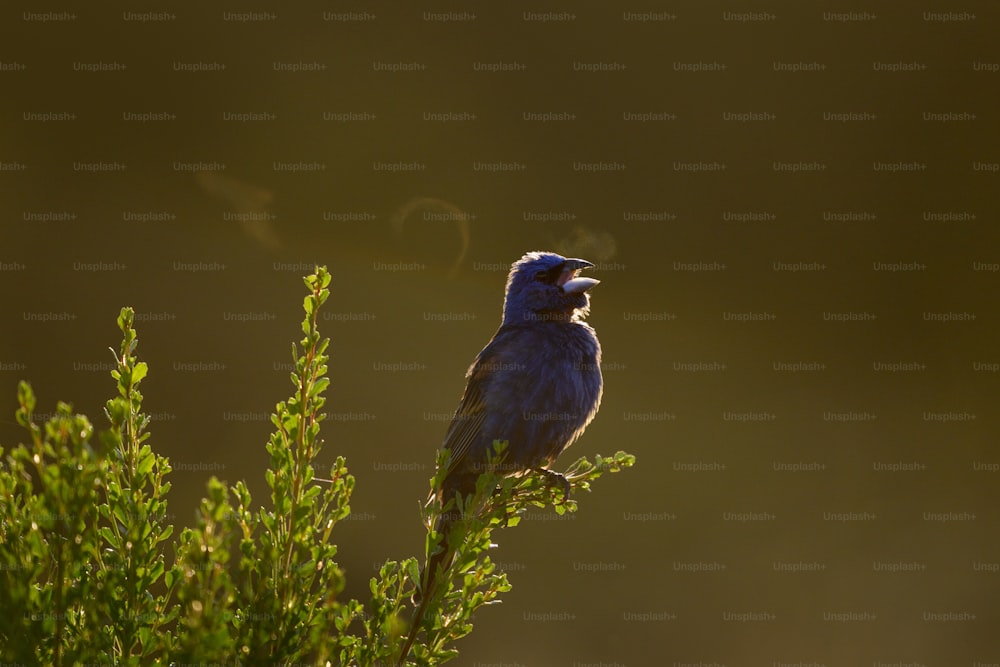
[84, 535]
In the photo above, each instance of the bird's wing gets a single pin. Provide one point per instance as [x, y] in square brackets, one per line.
[471, 413]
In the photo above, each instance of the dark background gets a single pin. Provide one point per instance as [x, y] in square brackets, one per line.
[713, 550]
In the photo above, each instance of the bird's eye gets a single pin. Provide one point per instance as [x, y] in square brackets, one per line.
[550, 275]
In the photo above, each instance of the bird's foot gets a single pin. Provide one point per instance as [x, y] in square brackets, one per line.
[505, 521]
[556, 478]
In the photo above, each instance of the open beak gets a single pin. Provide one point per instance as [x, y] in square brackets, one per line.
[569, 279]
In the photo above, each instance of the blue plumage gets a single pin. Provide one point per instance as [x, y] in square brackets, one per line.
[537, 384]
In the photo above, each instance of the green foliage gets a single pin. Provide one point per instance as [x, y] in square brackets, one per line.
[472, 581]
[84, 535]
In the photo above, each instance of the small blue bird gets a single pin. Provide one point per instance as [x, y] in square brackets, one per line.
[537, 385]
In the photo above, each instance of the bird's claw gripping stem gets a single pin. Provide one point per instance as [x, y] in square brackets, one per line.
[554, 478]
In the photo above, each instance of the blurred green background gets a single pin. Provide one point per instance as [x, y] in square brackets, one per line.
[199, 198]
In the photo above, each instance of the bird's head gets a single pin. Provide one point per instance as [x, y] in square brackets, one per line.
[544, 286]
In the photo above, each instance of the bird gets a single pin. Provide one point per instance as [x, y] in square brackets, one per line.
[536, 385]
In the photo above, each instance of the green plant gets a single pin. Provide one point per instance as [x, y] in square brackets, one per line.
[84, 537]
[444, 613]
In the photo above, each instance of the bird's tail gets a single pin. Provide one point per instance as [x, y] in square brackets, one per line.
[455, 490]
[440, 557]
[436, 565]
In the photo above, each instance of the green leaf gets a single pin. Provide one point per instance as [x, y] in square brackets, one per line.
[25, 396]
[167, 531]
[125, 319]
[146, 463]
[156, 571]
[318, 386]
